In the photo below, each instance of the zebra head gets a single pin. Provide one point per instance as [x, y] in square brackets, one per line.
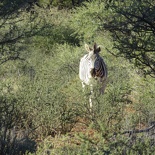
[92, 52]
[93, 55]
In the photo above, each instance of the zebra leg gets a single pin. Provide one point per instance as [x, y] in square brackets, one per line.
[90, 102]
[90, 97]
[104, 83]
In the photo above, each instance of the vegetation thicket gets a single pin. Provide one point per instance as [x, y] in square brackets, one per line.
[43, 108]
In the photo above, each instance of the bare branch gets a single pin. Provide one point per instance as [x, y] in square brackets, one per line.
[140, 131]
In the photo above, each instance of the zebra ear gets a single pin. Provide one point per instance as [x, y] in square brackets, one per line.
[98, 49]
[95, 46]
[87, 48]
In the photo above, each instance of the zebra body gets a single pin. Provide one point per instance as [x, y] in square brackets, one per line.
[92, 66]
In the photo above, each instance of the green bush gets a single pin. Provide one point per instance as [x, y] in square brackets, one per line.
[42, 97]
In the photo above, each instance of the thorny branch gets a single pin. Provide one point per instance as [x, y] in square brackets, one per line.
[140, 131]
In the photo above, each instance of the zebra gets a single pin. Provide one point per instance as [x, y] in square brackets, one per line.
[92, 66]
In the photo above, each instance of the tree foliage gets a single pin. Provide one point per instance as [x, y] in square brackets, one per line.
[16, 24]
[131, 24]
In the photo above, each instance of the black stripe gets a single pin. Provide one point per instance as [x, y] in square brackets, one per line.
[101, 70]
